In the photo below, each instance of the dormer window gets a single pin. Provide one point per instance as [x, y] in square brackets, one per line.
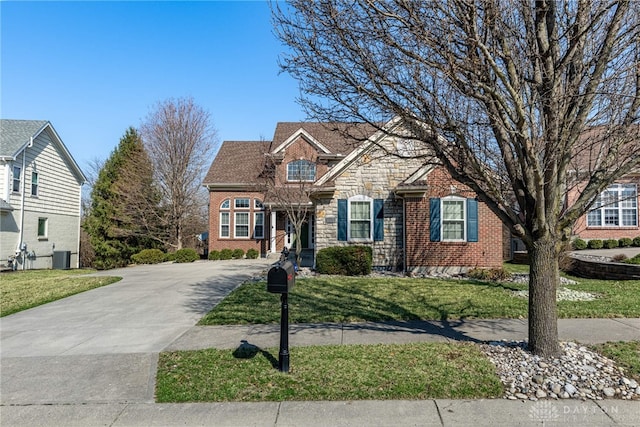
[301, 170]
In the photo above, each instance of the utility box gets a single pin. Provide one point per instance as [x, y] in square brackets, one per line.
[281, 278]
[61, 260]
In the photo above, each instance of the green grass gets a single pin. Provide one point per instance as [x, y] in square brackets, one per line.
[20, 290]
[625, 354]
[347, 372]
[347, 299]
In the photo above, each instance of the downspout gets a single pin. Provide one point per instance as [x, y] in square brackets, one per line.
[24, 185]
[404, 233]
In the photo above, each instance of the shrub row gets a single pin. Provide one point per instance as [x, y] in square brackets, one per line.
[492, 274]
[345, 260]
[608, 244]
[155, 256]
[233, 254]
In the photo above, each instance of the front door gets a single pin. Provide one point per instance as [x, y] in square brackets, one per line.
[304, 235]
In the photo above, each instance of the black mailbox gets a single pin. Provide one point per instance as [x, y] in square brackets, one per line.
[281, 278]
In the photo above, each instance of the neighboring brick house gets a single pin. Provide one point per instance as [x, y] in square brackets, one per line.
[40, 194]
[365, 187]
[614, 213]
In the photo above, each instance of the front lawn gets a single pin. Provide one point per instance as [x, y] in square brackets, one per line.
[20, 290]
[355, 299]
[354, 372]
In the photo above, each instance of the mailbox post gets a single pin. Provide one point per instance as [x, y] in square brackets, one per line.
[280, 280]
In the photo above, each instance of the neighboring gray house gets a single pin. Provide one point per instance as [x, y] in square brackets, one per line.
[40, 196]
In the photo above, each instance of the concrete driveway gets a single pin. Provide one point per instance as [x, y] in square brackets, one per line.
[102, 346]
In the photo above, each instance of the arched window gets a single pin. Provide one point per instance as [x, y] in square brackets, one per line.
[226, 204]
[301, 170]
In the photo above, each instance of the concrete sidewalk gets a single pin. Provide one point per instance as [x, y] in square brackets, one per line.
[119, 410]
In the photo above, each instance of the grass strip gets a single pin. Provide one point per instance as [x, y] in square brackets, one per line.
[625, 354]
[20, 290]
[346, 372]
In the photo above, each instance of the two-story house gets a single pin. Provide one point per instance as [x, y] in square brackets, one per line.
[363, 187]
[40, 197]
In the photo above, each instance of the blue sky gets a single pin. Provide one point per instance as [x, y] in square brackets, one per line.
[95, 68]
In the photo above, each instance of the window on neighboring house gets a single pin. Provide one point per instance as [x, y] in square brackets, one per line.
[617, 206]
[242, 224]
[360, 218]
[301, 170]
[34, 183]
[453, 219]
[42, 228]
[241, 203]
[224, 224]
[17, 171]
[226, 204]
[257, 205]
[258, 225]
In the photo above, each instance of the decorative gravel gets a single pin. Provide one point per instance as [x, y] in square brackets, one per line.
[563, 294]
[577, 373]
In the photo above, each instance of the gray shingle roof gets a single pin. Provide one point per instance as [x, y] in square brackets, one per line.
[15, 134]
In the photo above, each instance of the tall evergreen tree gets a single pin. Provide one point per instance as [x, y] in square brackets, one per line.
[124, 205]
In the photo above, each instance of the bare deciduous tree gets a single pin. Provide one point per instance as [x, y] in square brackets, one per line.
[290, 194]
[180, 139]
[515, 98]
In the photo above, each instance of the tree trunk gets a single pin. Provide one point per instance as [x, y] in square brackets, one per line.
[543, 314]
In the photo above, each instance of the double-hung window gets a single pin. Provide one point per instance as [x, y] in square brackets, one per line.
[453, 219]
[241, 224]
[360, 219]
[258, 225]
[34, 183]
[617, 206]
[17, 176]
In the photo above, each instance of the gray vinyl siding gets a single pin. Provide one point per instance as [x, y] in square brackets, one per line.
[58, 200]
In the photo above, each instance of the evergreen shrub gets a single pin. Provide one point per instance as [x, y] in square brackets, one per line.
[610, 243]
[345, 260]
[252, 253]
[186, 255]
[237, 254]
[148, 256]
[595, 244]
[579, 244]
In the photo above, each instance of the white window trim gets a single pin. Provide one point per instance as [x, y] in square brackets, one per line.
[289, 178]
[464, 218]
[360, 198]
[618, 188]
[235, 225]
[228, 224]
[255, 223]
[228, 202]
